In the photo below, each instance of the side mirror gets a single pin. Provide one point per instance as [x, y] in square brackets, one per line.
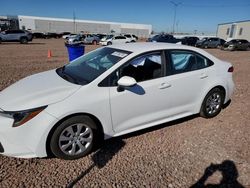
[125, 81]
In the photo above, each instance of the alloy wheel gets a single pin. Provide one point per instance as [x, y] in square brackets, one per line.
[213, 103]
[75, 139]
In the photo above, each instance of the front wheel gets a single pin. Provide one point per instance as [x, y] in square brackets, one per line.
[23, 40]
[109, 43]
[74, 138]
[212, 104]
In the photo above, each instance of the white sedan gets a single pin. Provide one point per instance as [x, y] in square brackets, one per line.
[109, 92]
[111, 39]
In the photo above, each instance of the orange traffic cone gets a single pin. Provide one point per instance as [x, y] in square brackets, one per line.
[49, 54]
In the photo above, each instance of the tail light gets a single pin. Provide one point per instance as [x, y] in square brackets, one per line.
[231, 69]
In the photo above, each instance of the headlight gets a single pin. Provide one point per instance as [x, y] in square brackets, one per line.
[21, 117]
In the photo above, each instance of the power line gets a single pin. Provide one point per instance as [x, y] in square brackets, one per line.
[215, 6]
[175, 7]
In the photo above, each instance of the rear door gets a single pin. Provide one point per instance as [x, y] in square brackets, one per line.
[15, 35]
[189, 76]
[9, 35]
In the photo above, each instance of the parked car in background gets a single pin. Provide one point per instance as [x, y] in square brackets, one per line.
[130, 37]
[200, 42]
[109, 92]
[190, 41]
[111, 39]
[75, 39]
[64, 33]
[164, 38]
[236, 44]
[21, 36]
[49, 35]
[101, 36]
[39, 35]
[212, 42]
[91, 39]
[68, 35]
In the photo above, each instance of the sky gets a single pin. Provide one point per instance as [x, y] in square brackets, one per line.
[202, 16]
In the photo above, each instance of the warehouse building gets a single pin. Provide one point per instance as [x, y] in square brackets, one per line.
[234, 30]
[58, 25]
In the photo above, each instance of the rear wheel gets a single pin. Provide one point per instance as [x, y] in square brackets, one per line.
[212, 103]
[109, 43]
[23, 40]
[74, 138]
[94, 42]
[0, 40]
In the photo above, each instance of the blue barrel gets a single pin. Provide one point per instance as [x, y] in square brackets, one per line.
[75, 50]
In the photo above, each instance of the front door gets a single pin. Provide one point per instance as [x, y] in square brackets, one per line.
[147, 102]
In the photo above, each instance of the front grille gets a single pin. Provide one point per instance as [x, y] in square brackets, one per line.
[1, 148]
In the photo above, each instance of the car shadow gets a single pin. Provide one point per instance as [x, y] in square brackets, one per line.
[229, 176]
[226, 104]
[101, 157]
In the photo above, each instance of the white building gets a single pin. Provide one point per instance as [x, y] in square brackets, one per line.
[44, 24]
[234, 30]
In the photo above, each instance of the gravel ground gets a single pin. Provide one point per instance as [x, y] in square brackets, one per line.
[175, 154]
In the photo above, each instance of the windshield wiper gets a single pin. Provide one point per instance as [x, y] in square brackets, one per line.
[67, 76]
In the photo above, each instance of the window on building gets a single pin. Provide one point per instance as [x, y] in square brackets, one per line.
[241, 30]
[228, 29]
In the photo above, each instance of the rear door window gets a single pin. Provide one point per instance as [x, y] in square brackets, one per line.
[185, 61]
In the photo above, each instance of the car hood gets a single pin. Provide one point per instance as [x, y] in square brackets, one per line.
[37, 90]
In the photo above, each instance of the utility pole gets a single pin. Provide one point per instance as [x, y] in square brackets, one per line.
[74, 21]
[175, 7]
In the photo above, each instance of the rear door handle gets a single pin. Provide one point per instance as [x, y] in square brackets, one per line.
[164, 86]
[203, 75]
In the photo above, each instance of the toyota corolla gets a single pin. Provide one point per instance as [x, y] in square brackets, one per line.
[109, 92]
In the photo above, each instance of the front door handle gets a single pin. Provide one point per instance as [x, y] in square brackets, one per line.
[203, 75]
[164, 86]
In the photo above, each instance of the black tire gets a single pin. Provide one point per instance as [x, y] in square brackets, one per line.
[94, 42]
[57, 142]
[0, 40]
[212, 103]
[23, 40]
[109, 43]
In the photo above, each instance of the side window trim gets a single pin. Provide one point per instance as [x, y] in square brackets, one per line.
[168, 56]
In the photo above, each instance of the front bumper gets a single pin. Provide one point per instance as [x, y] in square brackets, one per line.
[27, 140]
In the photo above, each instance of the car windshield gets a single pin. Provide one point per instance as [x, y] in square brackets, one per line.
[155, 37]
[109, 36]
[128, 36]
[203, 39]
[86, 68]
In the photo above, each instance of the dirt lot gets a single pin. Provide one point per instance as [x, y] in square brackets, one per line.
[174, 154]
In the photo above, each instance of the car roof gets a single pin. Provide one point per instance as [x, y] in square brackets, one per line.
[140, 47]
